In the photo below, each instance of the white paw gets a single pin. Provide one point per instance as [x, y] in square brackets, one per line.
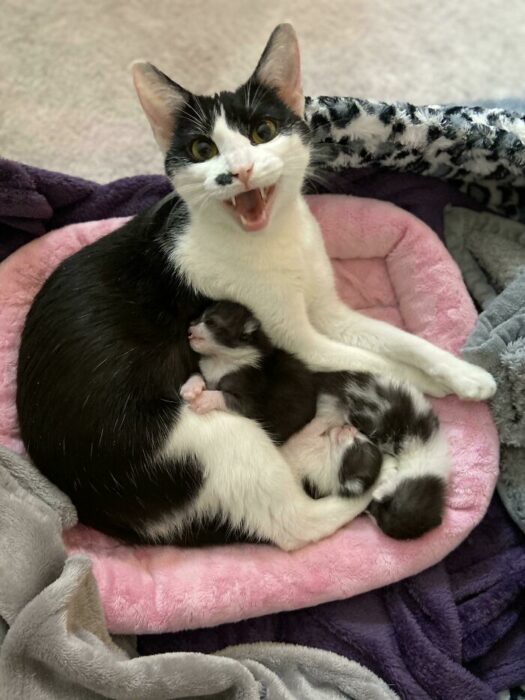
[192, 388]
[208, 401]
[467, 381]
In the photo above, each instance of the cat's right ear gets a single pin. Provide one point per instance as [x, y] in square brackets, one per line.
[160, 98]
[280, 68]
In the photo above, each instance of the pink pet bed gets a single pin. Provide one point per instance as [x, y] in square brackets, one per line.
[389, 265]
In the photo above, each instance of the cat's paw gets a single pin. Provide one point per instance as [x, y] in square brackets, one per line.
[469, 382]
[192, 388]
[208, 401]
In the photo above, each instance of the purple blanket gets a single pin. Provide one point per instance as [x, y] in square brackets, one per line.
[33, 201]
[454, 631]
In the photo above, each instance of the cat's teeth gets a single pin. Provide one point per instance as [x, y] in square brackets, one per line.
[264, 194]
[243, 220]
[233, 201]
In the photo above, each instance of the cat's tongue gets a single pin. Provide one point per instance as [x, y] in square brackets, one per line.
[251, 209]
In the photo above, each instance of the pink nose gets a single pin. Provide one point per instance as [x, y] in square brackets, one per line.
[243, 174]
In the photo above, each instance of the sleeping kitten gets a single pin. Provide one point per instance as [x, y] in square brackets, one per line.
[104, 350]
[242, 372]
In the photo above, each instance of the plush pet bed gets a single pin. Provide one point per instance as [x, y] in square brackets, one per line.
[389, 265]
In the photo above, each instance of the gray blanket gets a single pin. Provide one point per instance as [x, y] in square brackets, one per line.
[489, 249]
[491, 254]
[54, 642]
[498, 344]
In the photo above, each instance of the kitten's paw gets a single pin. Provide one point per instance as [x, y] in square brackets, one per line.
[192, 388]
[344, 434]
[385, 483]
[208, 401]
[467, 381]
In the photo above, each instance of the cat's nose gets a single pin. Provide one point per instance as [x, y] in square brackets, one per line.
[243, 174]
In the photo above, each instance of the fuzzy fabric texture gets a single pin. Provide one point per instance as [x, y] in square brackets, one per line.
[490, 252]
[34, 201]
[454, 631]
[498, 344]
[57, 644]
[389, 265]
[489, 249]
[482, 151]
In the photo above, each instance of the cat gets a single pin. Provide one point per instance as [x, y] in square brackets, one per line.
[104, 350]
[335, 427]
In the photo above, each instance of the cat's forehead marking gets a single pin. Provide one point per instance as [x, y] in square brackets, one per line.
[226, 136]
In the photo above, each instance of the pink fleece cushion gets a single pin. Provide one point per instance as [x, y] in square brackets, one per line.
[392, 267]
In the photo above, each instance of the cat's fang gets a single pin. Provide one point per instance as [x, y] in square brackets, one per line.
[233, 201]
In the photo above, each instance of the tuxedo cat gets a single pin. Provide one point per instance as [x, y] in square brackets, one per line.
[336, 426]
[104, 350]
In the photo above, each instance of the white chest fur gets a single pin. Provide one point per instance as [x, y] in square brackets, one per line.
[233, 264]
[214, 368]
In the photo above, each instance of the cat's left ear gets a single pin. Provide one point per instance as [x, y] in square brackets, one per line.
[279, 68]
[161, 100]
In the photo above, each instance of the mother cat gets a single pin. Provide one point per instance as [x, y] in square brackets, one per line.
[104, 350]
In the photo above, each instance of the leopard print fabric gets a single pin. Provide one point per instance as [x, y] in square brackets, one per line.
[480, 150]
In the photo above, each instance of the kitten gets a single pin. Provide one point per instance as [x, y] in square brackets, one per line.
[104, 350]
[242, 372]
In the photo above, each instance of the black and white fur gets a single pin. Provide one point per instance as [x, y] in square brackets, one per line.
[338, 425]
[104, 350]
[242, 372]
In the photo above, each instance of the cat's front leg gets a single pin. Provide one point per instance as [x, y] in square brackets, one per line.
[434, 371]
[283, 315]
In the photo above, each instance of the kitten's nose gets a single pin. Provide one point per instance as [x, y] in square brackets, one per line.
[243, 174]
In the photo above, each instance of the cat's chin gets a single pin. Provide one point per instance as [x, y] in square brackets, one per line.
[252, 209]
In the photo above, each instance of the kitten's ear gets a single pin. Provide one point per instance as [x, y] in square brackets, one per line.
[251, 325]
[280, 68]
[160, 98]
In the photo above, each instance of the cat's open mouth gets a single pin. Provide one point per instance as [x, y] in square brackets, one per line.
[252, 208]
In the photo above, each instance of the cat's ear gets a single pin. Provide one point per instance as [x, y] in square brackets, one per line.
[160, 98]
[279, 68]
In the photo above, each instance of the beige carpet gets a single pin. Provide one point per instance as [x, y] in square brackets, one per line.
[66, 100]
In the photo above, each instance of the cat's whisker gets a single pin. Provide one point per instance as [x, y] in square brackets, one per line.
[256, 98]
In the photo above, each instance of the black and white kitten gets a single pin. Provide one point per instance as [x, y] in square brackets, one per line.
[104, 350]
[338, 424]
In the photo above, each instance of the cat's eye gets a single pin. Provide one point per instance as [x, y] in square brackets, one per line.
[202, 149]
[264, 131]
